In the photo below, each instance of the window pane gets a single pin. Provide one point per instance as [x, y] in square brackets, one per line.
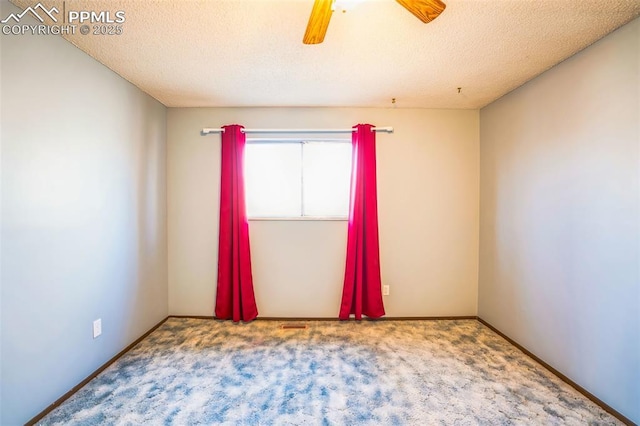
[272, 176]
[326, 180]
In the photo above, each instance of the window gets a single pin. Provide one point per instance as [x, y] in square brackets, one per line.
[297, 179]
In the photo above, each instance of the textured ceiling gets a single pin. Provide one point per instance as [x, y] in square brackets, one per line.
[190, 53]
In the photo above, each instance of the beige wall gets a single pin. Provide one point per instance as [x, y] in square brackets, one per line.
[428, 211]
[560, 231]
[83, 218]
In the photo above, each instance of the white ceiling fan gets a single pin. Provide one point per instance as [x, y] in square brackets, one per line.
[425, 10]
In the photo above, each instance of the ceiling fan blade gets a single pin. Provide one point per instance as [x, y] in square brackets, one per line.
[424, 10]
[318, 22]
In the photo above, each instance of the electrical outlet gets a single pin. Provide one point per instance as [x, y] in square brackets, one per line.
[97, 327]
[385, 290]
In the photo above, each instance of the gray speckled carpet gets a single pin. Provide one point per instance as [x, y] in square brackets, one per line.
[445, 372]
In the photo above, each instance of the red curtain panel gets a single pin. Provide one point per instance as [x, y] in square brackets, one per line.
[362, 292]
[235, 299]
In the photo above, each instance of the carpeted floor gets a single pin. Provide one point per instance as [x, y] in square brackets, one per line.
[446, 372]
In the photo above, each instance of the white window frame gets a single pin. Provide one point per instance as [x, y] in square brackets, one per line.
[300, 141]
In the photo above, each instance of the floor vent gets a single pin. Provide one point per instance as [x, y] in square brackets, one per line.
[293, 326]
